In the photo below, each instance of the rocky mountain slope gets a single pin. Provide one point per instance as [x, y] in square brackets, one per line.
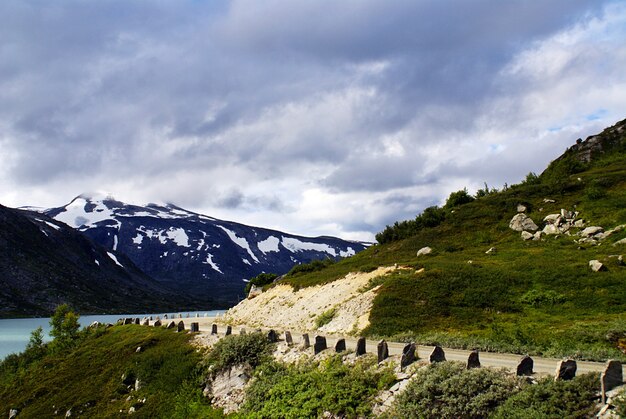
[193, 253]
[44, 263]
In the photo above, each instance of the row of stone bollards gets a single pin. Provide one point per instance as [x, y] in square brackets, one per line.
[611, 377]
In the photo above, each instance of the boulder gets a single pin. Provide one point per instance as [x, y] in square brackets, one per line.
[320, 344]
[13, 413]
[473, 360]
[525, 366]
[383, 351]
[552, 218]
[596, 265]
[408, 355]
[490, 251]
[537, 235]
[521, 208]
[437, 355]
[579, 224]
[527, 236]
[620, 242]
[424, 251]
[522, 222]
[549, 201]
[591, 231]
[360, 347]
[568, 215]
[550, 229]
[565, 370]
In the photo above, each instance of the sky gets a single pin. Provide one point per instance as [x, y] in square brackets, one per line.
[314, 117]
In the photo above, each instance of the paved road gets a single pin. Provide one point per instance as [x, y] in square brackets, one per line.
[542, 366]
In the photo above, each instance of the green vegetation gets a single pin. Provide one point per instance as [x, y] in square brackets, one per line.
[95, 376]
[536, 297]
[260, 280]
[252, 349]
[325, 318]
[308, 390]
[65, 327]
[449, 390]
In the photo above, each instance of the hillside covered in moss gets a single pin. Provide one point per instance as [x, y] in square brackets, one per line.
[489, 286]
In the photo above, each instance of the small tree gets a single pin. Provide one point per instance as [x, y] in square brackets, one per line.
[458, 198]
[65, 326]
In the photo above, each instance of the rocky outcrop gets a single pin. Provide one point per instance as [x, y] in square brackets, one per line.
[227, 388]
[424, 251]
[522, 222]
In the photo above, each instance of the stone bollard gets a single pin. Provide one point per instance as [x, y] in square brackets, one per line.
[195, 327]
[611, 377]
[408, 355]
[473, 360]
[157, 323]
[437, 355]
[340, 346]
[272, 336]
[214, 329]
[137, 320]
[320, 344]
[180, 327]
[306, 342]
[165, 316]
[242, 332]
[360, 347]
[128, 320]
[525, 366]
[229, 330]
[171, 325]
[288, 338]
[383, 351]
[565, 370]
[146, 321]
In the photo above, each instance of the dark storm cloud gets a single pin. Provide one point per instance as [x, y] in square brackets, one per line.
[351, 96]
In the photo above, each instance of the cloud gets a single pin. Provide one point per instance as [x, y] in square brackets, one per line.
[316, 117]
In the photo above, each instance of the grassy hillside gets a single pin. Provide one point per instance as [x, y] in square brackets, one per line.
[97, 377]
[527, 296]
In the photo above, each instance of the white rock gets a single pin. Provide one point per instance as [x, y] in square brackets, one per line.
[579, 224]
[619, 242]
[591, 231]
[552, 218]
[522, 222]
[424, 251]
[568, 215]
[596, 265]
[549, 201]
[527, 236]
[521, 208]
[537, 235]
[491, 250]
[550, 229]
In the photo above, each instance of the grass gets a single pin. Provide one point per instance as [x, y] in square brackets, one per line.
[528, 296]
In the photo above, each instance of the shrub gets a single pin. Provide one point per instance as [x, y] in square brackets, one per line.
[325, 318]
[458, 198]
[252, 348]
[260, 280]
[553, 399]
[449, 390]
[65, 327]
[308, 390]
[538, 298]
[316, 265]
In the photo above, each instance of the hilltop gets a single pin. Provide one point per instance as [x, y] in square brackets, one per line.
[488, 286]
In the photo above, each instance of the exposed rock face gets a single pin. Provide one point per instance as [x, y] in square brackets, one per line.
[227, 389]
[424, 251]
[522, 222]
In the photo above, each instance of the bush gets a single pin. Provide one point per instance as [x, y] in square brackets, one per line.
[309, 390]
[538, 298]
[65, 327]
[232, 350]
[325, 318]
[553, 399]
[260, 281]
[316, 265]
[449, 390]
[458, 198]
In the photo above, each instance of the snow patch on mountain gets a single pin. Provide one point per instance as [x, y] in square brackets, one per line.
[241, 242]
[82, 214]
[295, 245]
[114, 258]
[209, 261]
[269, 245]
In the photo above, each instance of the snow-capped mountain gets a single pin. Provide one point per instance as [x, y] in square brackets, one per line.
[193, 252]
[44, 263]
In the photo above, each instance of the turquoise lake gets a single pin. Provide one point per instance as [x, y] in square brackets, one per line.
[15, 333]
